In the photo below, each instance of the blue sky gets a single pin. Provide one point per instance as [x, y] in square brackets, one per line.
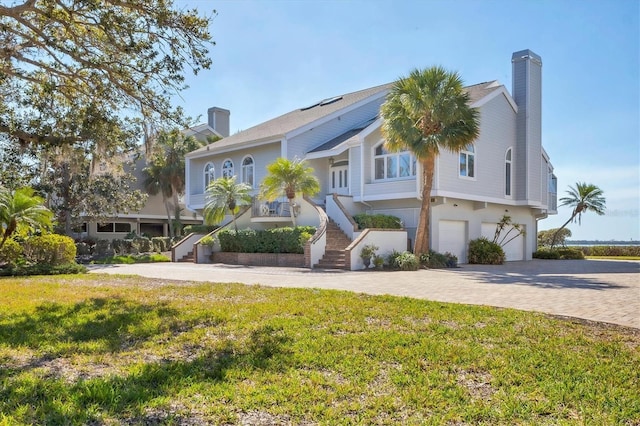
[275, 56]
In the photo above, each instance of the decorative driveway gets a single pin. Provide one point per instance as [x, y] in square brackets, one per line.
[597, 290]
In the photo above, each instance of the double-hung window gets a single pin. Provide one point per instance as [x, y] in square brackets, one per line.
[209, 174]
[467, 162]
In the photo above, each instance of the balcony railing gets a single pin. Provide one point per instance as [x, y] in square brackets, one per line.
[276, 208]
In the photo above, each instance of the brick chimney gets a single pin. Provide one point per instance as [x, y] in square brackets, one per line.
[219, 120]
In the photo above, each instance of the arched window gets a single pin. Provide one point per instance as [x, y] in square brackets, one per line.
[467, 161]
[209, 174]
[247, 170]
[507, 173]
[393, 165]
[227, 168]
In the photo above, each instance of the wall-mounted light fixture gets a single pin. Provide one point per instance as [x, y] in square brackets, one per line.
[331, 160]
[506, 210]
[455, 205]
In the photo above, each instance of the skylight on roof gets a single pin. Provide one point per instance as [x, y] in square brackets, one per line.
[330, 100]
[322, 103]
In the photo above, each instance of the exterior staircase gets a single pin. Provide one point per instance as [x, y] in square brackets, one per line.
[187, 258]
[335, 255]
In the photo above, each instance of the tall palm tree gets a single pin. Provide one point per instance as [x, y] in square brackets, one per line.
[583, 198]
[424, 113]
[225, 195]
[166, 167]
[289, 177]
[22, 208]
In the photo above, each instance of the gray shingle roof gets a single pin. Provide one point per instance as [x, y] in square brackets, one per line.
[280, 126]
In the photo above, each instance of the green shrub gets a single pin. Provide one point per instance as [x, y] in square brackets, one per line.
[83, 249]
[51, 249]
[199, 229]
[570, 253]
[276, 240]
[546, 254]
[380, 221]
[611, 251]
[11, 252]
[559, 253]
[160, 244]
[435, 260]
[44, 269]
[404, 261]
[133, 258]
[485, 252]
[120, 246]
[141, 245]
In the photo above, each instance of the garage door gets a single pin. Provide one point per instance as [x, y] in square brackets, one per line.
[514, 250]
[452, 237]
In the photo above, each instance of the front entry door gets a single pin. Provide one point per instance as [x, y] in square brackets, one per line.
[339, 178]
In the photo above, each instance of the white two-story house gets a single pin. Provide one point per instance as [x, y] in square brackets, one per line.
[504, 172]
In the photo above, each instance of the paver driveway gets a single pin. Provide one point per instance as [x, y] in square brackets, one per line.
[597, 290]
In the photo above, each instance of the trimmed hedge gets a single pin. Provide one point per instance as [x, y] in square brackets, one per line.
[199, 229]
[276, 240]
[11, 252]
[485, 252]
[559, 253]
[610, 250]
[435, 260]
[379, 221]
[51, 249]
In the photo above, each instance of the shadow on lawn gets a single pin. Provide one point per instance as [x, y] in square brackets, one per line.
[36, 397]
[91, 326]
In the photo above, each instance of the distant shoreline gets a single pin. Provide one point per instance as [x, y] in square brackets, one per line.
[602, 243]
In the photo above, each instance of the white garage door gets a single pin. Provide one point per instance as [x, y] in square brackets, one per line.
[513, 250]
[452, 238]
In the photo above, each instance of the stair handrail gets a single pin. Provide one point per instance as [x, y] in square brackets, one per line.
[314, 248]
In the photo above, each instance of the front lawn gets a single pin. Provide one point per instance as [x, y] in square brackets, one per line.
[97, 349]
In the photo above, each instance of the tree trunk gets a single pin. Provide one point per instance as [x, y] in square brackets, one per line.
[165, 201]
[555, 234]
[291, 212]
[424, 222]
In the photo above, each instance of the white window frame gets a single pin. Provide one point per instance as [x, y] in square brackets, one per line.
[209, 174]
[388, 160]
[466, 153]
[246, 167]
[508, 173]
[228, 171]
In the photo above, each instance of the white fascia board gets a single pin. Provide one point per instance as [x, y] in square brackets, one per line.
[546, 157]
[382, 197]
[335, 114]
[232, 148]
[501, 91]
[492, 200]
[371, 128]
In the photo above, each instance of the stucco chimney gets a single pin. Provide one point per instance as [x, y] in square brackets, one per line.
[527, 93]
[219, 120]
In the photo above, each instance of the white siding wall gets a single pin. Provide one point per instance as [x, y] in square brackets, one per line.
[298, 146]
[497, 133]
[262, 156]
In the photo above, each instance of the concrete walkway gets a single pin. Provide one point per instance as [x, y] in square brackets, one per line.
[598, 290]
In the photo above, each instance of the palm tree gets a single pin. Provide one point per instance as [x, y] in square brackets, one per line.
[583, 198]
[424, 113]
[166, 168]
[156, 183]
[290, 177]
[20, 209]
[224, 194]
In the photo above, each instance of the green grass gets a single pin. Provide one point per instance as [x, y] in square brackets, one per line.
[614, 257]
[110, 349]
